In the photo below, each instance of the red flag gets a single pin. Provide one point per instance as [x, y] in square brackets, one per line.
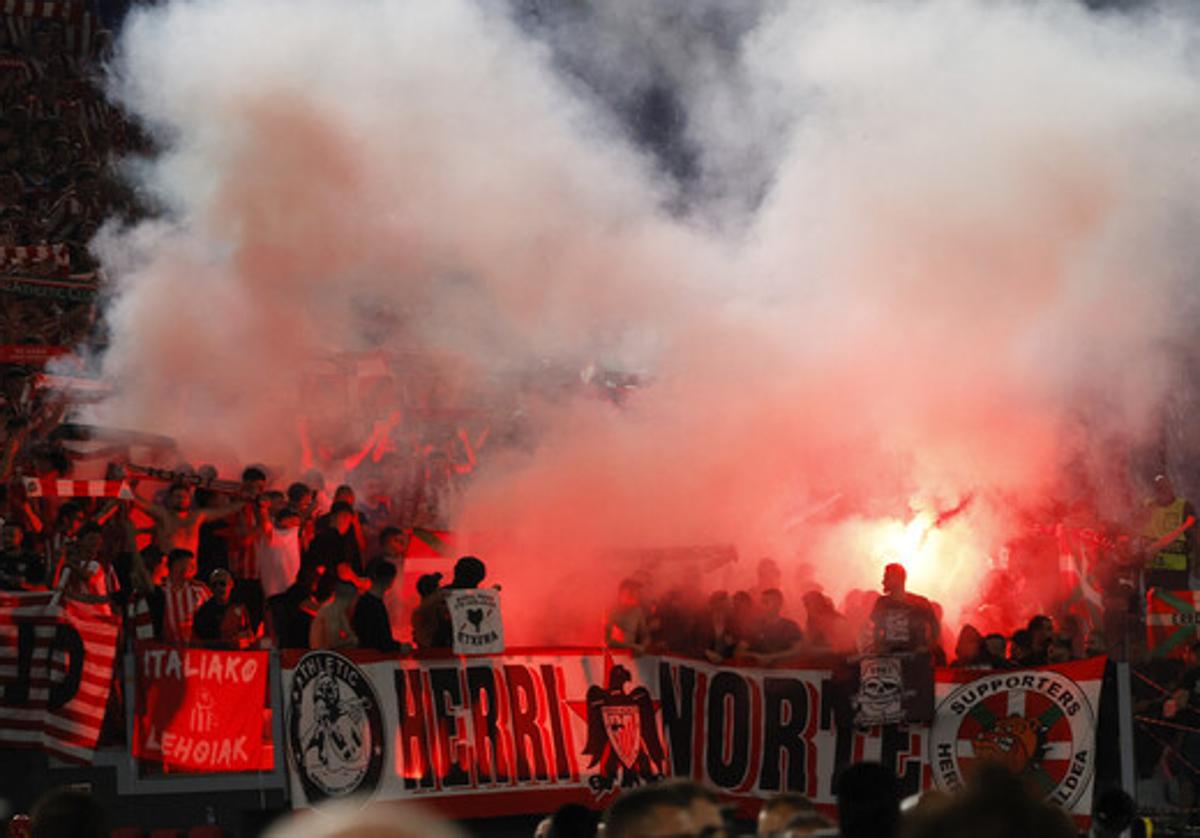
[56, 661]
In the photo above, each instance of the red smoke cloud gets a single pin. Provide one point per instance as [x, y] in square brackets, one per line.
[963, 275]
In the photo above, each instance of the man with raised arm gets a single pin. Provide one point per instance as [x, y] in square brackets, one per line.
[177, 525]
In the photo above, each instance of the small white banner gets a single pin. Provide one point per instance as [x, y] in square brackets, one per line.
[475, 615]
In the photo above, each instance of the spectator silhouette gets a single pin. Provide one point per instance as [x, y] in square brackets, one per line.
[371, 622]
[995, 805]
[868, 800]
[469, 572]
[574, 821]
[67, 813]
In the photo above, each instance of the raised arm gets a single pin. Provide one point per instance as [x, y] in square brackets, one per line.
[139, 576]
[470, 449]
[617, 637]
[223, 510]
[33, 521]
[263, 526]
[158, 513]
[111, 505]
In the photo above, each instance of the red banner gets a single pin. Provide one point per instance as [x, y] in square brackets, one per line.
[56, 661]
[30, 353]
[200, 709]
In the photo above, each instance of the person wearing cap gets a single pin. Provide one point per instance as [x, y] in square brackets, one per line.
[220, 623]
[1170, 538]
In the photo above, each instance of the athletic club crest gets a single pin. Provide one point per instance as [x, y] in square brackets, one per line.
[1037, 724]
[623, 739]
[335, 728]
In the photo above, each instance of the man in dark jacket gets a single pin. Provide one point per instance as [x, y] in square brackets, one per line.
[469, 572]
[370, 621]
[332, 545]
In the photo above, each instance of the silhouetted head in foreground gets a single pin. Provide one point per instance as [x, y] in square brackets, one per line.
[995, 804]
[468, 572]
[868, 802]
[350, 819]
[672, 808]
[574, 821]
[67, 813]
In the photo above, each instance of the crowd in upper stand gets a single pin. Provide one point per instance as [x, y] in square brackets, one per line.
[254, 568]
[752, 626]
[59, 141]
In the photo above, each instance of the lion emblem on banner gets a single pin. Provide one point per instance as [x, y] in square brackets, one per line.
[623, 740]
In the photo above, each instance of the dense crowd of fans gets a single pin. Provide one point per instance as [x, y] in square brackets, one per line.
[59, 140]
[750, 626]
[231, 571]
[256, 565]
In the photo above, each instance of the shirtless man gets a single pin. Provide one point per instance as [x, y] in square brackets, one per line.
[627, 626]
[177, 525]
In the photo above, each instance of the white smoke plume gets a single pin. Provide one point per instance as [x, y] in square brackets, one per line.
[921, 253]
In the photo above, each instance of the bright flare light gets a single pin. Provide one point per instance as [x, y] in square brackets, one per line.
[945, 563]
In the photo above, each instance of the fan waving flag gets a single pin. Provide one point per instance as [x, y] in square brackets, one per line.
[56, 664]
[48, 487]
[1083, 598]
[1172, 618]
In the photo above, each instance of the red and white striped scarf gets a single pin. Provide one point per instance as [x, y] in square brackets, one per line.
[19, 256]
[139, 619]
[50, 487]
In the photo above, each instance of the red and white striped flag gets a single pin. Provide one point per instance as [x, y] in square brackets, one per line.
[1083, 598]
[49, 487]
[17, 256]
[140, 618]
[56, 667]
[43, 9]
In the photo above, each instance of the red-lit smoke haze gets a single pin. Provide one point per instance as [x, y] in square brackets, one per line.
[933, 250]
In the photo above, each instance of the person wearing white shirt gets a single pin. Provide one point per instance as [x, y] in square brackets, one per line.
[278, 550]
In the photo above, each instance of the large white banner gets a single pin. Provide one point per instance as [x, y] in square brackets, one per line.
[530, 730]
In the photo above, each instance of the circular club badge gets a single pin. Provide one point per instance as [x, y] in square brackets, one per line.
[1038, 724]
[334, 728]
